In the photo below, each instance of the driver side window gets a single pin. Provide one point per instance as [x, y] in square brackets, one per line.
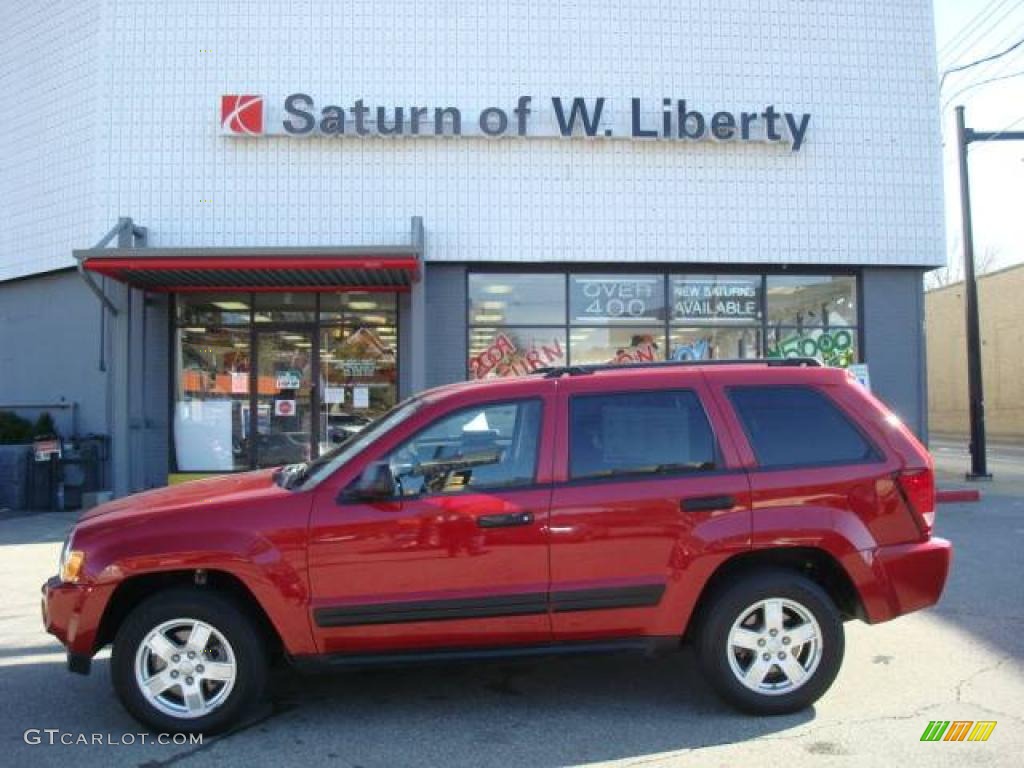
[484, 446]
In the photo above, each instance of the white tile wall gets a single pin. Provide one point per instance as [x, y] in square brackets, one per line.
[49, 69]
[865, 189]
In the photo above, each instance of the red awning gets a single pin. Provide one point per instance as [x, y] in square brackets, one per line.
[372, 268]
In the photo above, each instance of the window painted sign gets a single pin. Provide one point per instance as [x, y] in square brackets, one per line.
[834, 347]
[603, 299]
[716, 298]
[504, 356]
[299, 114]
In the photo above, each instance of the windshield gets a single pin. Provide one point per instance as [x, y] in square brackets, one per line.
[313, 472]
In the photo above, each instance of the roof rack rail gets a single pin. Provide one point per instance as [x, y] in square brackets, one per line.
[553, 372]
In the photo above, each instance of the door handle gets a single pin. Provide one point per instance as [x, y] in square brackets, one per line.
[707, 503]
[505, 521]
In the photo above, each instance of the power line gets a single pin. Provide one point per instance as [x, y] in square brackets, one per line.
[1008, 62]
[975, 63]
[980, 83]
[969, 28]
[980, 31]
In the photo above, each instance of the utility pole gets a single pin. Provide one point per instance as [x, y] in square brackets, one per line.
[975, 393]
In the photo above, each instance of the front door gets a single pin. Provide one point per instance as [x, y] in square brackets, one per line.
[458, 556]
[282, 407]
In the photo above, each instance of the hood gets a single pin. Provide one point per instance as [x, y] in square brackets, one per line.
[194, 492]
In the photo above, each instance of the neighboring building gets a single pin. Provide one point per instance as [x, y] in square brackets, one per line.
[1002, 355]
[278, 282]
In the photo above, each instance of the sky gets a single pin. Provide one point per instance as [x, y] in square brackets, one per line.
[966, 30]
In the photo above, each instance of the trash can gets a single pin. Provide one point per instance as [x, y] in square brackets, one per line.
[43, 477]
[95, 453]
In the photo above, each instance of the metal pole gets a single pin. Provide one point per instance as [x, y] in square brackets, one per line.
[975, 391]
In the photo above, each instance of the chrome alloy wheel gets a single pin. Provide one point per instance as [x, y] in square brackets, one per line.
[774, 646]
[185, 668]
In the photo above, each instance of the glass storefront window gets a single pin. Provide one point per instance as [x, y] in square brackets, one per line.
[715, 343]
[834, 346]
[616, 299]
[617, 346]
[816, 301]
[285, 307]
[497, 299]
[358, 379]
[203, 309]
[715, 298]
[626, 318]
[359, 308]
[501, 352]
[211, 407]
[326, 364]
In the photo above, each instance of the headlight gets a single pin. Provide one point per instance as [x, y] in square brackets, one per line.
[71, 561]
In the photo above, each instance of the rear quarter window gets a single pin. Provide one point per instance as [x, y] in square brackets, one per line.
[798, 426]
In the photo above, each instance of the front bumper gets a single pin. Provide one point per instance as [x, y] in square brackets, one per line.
[72, 614]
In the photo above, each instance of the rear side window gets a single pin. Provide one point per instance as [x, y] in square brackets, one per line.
[798, 426]
[638, 433]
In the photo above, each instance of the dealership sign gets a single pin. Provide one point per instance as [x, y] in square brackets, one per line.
[300, 114]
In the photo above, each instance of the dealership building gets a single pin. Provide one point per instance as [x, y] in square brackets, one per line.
[235, 233]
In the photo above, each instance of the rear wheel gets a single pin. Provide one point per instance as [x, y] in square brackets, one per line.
[188, 661]
[771, 643]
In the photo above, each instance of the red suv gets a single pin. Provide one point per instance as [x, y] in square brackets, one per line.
[747, 508]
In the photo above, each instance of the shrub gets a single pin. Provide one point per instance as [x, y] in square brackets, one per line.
[44, 426]
[14, 429]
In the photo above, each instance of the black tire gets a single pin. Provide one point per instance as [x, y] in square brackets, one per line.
[725, 607]
[217, 610]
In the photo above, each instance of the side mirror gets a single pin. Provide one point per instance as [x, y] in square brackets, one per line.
[376, 483]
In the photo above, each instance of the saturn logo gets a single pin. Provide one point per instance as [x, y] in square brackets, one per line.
[241, 114]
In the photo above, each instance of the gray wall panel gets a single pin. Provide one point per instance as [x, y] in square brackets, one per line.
[446, 314]
[404, 346]
[893, 304]
[50, 351]
[50, 347]
[156, 410]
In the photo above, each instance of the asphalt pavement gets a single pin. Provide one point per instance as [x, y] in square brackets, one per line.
[962, 660]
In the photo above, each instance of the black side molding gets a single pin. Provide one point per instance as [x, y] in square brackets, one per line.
[490, 607]
[432, 610]
[509, 520]
[616, 597]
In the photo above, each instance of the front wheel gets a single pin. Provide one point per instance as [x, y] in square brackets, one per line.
[771, 643]
[188, 661]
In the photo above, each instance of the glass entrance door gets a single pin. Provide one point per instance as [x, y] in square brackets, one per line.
[283, 422]
[264, 379]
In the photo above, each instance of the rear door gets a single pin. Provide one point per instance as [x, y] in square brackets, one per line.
[649, 498]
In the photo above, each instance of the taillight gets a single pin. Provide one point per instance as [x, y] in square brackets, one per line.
[918, 486]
